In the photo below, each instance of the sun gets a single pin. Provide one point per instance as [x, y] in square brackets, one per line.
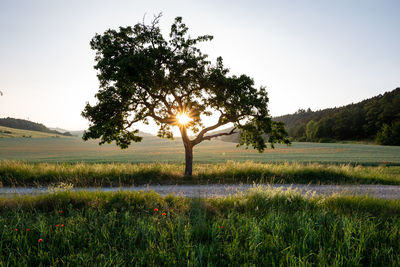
[183, 118]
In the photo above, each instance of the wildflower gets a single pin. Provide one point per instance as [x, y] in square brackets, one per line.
[27, 229]
[16, 229]
[40, 240]
[62, 225]
[61, 211]
[164, 214]
[155, 209]
[56, 225]
[221, 227]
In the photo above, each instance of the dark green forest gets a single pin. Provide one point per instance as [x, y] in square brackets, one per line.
[375, 119]
[28, 125]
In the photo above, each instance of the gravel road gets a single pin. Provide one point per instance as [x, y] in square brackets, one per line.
[217, 190]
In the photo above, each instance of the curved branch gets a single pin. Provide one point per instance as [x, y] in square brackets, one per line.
[178, 99]
[200, 137]
[209, 137]
[161, 98]
[152, 114]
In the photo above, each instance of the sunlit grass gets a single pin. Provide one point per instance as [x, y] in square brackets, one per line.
[264, 226]
[14, 173]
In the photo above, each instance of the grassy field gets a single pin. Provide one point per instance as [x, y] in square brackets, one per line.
[154, 149]
[6, 132]
[43, 161]
[144, 229]
[136, 228]
[14, 173]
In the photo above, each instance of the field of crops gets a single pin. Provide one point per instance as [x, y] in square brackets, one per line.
[153, 149]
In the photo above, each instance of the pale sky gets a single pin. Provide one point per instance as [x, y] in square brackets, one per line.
[316, 54]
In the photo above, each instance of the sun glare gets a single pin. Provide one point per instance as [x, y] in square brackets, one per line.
[183, 118]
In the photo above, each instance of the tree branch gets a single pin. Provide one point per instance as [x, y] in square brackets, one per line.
[208, 137]
[152, 114]
[134, 121]
[200, 137]
[177, 99]
[164, 100]
[161, 98]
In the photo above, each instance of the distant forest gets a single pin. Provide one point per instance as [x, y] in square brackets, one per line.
[375, 119]
[28, 125]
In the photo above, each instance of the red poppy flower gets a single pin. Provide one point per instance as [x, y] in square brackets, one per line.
[164, 214]
[61, 211]
[27, 229]
[56, 225]
[221, 227]
[62, 225]
[16, 229]
[155, 209]
[40, 240]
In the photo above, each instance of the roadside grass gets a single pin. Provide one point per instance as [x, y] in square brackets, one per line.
[262, 227]
[13, 173]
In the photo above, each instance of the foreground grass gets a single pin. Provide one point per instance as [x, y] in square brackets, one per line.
[260, 228]
[14, 173]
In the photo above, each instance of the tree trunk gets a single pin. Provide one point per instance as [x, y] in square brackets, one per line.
[188, 151]
[188, 160]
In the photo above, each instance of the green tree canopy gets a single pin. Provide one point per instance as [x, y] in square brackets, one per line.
[145, 76]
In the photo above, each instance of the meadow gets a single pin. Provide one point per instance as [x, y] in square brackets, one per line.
[259, 228]
[153, 149]
[49, 161]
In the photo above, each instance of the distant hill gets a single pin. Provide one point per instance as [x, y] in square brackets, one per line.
[33, 126]
[28, 125]
[77, 133]
[6, 132]
[375, 119]
[61, 130]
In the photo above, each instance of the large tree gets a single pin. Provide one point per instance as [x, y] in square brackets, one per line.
[145, 76]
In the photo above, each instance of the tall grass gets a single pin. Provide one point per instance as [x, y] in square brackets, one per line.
[261, 228]
[13, 173]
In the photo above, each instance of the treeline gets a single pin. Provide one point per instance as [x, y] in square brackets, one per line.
[28, 125]
[375, 119]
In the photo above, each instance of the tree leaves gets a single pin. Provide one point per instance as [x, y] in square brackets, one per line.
[142, 76]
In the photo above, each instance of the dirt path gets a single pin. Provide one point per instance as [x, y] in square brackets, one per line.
[216, 190]
[379, 191]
